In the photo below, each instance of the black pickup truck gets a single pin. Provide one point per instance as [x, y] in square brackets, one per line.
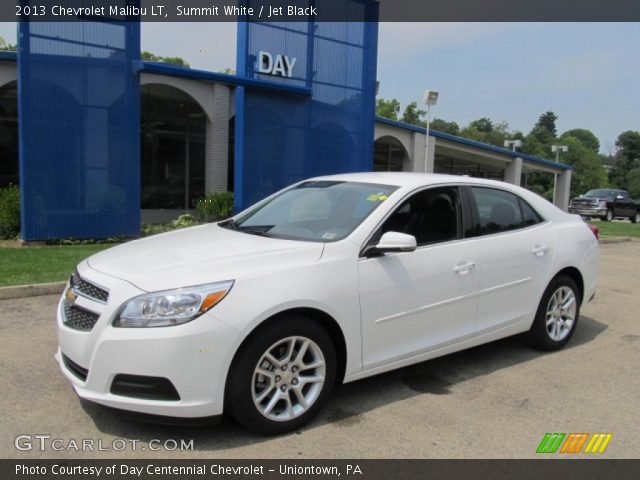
[607, 204]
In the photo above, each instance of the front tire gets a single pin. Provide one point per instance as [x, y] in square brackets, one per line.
[609, 215]
[557, 315]
[635, 218]
[281, 376]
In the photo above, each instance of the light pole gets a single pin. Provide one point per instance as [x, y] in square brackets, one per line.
[430, 98]
[513, 144]
[557, 149]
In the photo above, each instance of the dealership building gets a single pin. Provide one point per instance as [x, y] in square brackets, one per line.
[100, 141]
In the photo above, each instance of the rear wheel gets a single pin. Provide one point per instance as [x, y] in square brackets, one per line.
[557, 314]
[282, 376]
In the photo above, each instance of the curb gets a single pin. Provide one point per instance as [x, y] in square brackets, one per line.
[22, 291]
[615, 240]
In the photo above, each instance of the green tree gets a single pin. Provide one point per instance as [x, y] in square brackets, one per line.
[486, 131]
[633, 182]
[7, 47]
[586, 137]
[388, 108]
[588, 171]
[151, 57]
[413, 115]
[443, 126]
[484, 125]
[547, 121]
[538, 142]
[627, 158]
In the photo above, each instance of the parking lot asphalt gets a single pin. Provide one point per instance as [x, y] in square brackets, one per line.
[494, 401]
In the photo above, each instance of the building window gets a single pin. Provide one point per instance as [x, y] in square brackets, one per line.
[388, 155]
[9, 134]
[173, 148]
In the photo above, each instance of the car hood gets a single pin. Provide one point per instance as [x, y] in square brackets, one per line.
[199, 255]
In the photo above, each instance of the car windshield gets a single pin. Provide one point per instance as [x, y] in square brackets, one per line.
[598, 193]
[319, 211]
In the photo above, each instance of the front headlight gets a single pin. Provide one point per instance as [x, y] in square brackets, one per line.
[602, 203]
[171, 307]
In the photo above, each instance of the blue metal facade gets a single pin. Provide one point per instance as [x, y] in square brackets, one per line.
[79, 118]
[281, 139]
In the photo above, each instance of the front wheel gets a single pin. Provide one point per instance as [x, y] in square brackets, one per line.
[609, 216]
[557, 315]
[281, 376]
[635, 218]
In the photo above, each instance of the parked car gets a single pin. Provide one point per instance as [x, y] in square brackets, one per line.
[606, 204]
[331, 280]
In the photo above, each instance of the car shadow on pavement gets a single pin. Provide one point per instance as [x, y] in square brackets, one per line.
[349, 402]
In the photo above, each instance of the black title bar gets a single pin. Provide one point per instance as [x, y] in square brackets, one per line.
[320, 10]
[321, 469]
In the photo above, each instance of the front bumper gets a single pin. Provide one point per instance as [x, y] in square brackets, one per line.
[589, 212]
[194, 356]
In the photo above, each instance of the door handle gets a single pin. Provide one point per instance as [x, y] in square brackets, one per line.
[463, 268]
[540, 250]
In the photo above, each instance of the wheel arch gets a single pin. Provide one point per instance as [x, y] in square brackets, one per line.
[316, 315]
[576, 276]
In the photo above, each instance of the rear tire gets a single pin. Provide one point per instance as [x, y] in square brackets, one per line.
[557, 315]
[281, 376]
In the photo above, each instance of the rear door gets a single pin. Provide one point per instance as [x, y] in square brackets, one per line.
[516, 248]
[624, 206]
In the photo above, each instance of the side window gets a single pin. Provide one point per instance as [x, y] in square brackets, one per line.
[431, 216]
[500, 211]
[529, 215]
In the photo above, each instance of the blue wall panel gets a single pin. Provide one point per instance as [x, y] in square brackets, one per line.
[283, 139]
[79, 117]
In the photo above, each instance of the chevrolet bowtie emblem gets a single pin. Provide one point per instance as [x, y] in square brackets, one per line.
[70, 296]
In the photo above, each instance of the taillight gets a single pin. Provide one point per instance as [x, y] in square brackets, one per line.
[595, 230]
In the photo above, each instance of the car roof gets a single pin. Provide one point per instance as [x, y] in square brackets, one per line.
[408, 179]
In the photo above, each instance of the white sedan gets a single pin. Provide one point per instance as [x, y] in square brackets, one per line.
[331, 280]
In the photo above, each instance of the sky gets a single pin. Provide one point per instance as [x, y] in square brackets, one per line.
[587, 73]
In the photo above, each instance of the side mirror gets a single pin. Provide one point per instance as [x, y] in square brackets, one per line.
[393, 242]
[619, 197]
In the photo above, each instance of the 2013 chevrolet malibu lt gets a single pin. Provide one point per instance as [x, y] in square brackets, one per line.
[331, 280]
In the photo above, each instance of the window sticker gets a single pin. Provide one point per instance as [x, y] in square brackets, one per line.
[377, 197]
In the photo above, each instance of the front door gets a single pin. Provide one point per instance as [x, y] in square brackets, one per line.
[415, 301]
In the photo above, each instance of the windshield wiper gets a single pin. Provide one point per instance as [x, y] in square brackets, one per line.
[261, 230]
[230, 224]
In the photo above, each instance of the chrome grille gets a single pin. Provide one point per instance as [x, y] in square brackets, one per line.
[79, 318]
[584, 202]
[87, 289]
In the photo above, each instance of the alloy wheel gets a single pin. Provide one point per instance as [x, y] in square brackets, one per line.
[561, 313]
[288, 378]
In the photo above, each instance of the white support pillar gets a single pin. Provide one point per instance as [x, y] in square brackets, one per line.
[513, 171]
[417, 152]
[562, 190]
[431, 154]
[217, 140]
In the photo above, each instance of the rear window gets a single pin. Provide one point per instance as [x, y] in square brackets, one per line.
[500, 211]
